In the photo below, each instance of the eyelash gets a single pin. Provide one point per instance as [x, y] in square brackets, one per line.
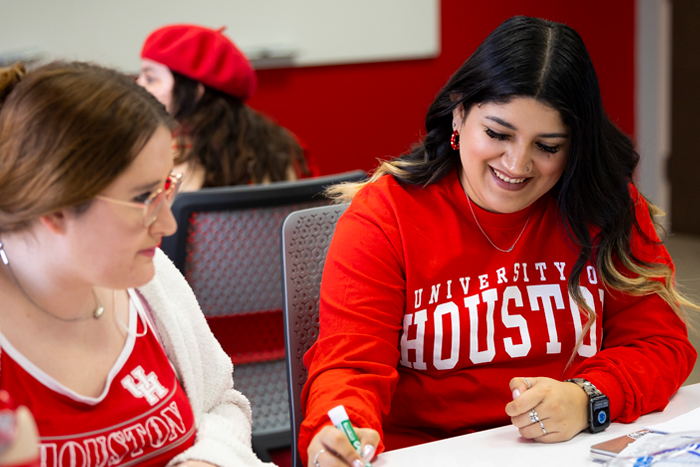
[548, 149]
[142, 197]
[149, 79]
[540, 146]
[494, 135]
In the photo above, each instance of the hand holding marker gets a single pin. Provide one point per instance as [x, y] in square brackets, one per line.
[340, 419]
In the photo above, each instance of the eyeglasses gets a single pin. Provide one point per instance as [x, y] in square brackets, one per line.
[154, 203]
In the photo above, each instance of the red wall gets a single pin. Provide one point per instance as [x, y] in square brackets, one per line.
[350, 115]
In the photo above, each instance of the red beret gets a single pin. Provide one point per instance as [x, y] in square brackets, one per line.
[204, 55]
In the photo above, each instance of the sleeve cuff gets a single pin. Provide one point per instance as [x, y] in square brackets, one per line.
[609, 385]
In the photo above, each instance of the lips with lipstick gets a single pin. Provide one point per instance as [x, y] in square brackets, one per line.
[150, 252]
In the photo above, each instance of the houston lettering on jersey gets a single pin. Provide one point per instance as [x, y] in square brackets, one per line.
[143, 417]
[477, 313]
[134, 442]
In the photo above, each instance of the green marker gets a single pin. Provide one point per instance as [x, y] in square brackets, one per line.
[340, 419]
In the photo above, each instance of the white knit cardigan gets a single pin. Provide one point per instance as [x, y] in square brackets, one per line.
[222, 414]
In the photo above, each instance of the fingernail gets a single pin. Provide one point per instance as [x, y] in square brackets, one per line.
[516, 394]
[368, 452]
[358, 463]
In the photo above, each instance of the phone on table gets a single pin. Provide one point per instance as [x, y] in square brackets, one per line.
[611, 448]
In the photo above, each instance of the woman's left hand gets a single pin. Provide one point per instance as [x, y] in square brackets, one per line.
[195, 464]
[561, 408]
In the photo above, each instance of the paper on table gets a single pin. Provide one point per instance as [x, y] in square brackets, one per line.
[679, 450]
[687, 422]
[670, 449]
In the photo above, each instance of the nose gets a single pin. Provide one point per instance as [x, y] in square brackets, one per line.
[518, 160]
[165, 223]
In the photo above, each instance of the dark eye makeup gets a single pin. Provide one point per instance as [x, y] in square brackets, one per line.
[494, 135]
[540, 146]
[549, 149]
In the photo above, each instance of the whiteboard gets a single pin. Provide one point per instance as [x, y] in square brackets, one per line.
[272, 32]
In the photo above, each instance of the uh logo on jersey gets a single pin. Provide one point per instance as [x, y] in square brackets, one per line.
[141, 385]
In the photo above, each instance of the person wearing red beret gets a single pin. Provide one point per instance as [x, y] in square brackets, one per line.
[204, 80]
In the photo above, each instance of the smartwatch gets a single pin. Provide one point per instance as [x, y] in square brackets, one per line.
[598, 405]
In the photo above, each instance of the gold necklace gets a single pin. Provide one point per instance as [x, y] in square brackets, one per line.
[99, 310]
[489, 239]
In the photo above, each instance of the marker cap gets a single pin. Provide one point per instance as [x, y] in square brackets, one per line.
[338, 415]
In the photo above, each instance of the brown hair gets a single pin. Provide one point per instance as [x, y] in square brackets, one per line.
[67, 130]
[234, 143]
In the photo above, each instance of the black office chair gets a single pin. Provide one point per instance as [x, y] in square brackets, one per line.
[228, 247]
[305, 238]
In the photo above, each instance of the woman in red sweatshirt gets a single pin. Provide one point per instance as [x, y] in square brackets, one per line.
[506, 270]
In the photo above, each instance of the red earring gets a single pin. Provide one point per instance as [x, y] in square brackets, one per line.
[454, 140]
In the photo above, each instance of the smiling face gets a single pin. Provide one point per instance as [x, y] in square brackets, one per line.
[108, 244]
[511, 153]
[158, 80]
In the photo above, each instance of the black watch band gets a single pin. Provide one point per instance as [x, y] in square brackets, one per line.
[598, 405]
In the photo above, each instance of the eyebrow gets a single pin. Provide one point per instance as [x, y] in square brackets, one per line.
[512, 127]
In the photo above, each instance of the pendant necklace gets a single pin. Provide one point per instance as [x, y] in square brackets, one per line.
[99, 310]
[489, 239]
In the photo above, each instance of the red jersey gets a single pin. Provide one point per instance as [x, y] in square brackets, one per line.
[423, 322]
[142, 417]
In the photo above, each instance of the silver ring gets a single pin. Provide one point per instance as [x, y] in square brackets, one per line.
[527, 381]
[323, 450]
[544, 432]
[533, 416]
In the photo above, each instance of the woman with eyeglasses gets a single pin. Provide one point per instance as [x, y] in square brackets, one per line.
[100, 336]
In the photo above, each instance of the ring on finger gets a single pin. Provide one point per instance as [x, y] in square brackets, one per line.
[323, 450]
[544, 432]
[533, 416]
[527, 381]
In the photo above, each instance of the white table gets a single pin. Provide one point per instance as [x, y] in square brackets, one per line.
[505, 447]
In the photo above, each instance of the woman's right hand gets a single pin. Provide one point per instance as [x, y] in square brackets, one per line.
[331, 448]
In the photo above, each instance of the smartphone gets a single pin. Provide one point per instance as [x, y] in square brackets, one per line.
[611, 448]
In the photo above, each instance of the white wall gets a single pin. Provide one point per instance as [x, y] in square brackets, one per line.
[313, 32]
[303, 32]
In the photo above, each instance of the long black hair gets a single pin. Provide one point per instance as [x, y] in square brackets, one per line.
[548, 61]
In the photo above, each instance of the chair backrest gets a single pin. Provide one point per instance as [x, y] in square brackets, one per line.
[305, 238]
[228, 246]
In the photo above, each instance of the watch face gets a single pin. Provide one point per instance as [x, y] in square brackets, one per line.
[600, 414]
[602, 417]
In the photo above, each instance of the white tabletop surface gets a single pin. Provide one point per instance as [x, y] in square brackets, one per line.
[504, 446]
